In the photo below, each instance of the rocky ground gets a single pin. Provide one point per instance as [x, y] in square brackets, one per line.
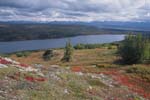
[38, 82]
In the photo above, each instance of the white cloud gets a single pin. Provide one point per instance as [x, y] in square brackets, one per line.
[75, 10]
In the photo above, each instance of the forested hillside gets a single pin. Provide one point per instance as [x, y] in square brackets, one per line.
[19, 32]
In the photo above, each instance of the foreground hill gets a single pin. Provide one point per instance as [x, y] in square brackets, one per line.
[94, 74]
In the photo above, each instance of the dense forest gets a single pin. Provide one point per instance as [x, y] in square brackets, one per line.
[19, 32]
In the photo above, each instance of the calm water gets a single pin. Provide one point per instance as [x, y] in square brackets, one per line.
[9, 47]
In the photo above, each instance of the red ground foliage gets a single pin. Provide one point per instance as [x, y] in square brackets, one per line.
[33, 79]
[23, 65]
[18, 75]
[76, 69]
[136, 85]
[3, 61]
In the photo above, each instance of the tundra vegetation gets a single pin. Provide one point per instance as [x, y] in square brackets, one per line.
[93, 74]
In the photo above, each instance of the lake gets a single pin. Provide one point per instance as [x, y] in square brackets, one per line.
[9, 47]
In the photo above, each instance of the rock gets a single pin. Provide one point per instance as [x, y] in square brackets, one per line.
[54, 76]
[79, 73]
[66, 91]
[41, 74]
[30, 69]
[3, 66]
[38, 65]
[12, 61]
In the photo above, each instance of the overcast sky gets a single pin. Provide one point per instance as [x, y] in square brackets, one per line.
[74, 10]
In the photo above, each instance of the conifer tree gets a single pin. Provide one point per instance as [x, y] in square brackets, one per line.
[135, 49]
[68, 52]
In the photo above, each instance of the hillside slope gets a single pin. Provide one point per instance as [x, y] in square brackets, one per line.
[95, 77]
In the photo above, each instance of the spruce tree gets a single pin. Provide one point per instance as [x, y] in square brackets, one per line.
[68, 52]
[135, 49]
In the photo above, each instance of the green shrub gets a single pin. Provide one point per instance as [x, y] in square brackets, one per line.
[23, 54]
[146, 51]
[112, 47]
[93, 46]
[5, 55]
[48, 55]
[135, 49]
[26, 53]
[19, 54]
[79, 46]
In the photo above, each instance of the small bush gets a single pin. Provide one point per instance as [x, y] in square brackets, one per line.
[22, 54]
[112, 47]
[19, 54]
[5, 55]
[79, 46]
[26, 53]
[48, 55]
[93, 46]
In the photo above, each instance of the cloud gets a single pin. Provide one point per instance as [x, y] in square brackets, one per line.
[75, 10]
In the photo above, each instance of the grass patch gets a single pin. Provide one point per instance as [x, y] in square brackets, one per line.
[139, 70]
[78, 89]
[7, 71]
[81, 57]
[5, 55]
[96, 82]
[103, 66]
[142, 71]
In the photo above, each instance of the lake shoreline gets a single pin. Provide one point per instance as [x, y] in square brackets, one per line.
[11, 47]
[42, 50]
